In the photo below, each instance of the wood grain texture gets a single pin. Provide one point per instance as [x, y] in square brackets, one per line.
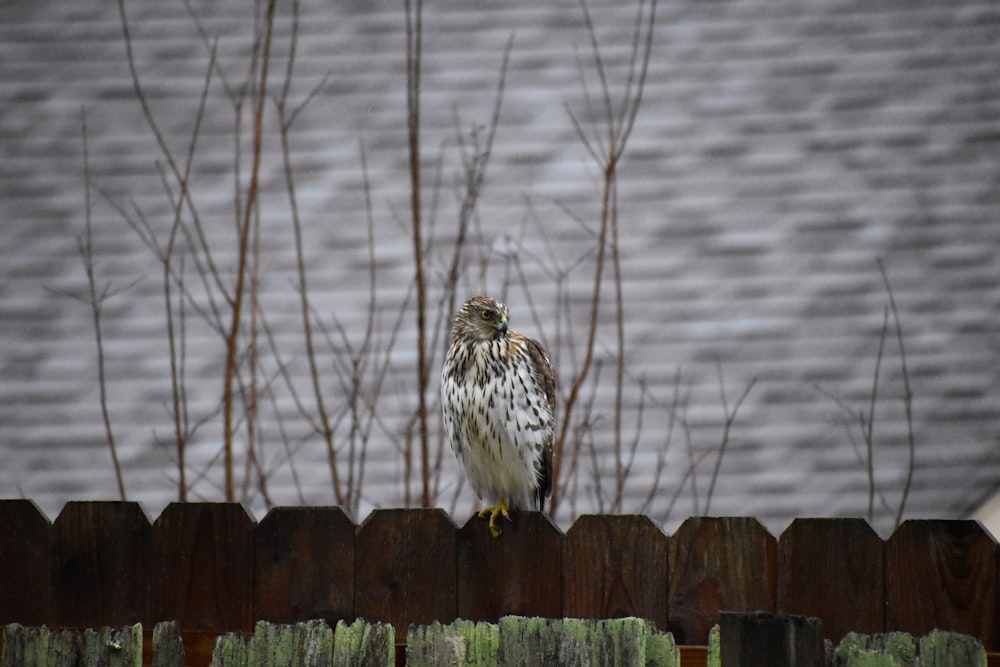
[163, 646]
[406, 568]
[25, 571]
[519, 572]
[304, 565]
[202, 567]
[99, 564]
[718, 564]
[943, 574]
[833, 569]
[615, 566]
[209, 566]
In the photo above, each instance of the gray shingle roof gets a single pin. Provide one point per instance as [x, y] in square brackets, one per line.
[781, 147]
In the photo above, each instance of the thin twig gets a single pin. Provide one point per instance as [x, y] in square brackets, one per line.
[907, 396]
[661, 452]
[414, 36]
[176, 390]
[868, 426]
[232, 339]
[730, 417]
[607, 158]
[86, 249]
[285, 122]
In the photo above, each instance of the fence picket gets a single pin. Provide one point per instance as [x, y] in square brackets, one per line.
[718, 563]
[615, 566]
[167, 646]
[406, 568]
[761, 638]
[304, 565]
[519, 572]
[833, 569]
[98, 557]
[202, 567]
[459, 643]
[114, 647]
[943, 574]
[213, 570]
[25, 565]
[362, 644]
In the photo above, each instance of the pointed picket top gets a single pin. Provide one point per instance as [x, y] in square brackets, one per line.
[834, 569]
[95, 580]
[943, 574]
[615, 566]
[25, 553]
[719, 563]
[304, 565]
[406, 567]
[202, 567]
[519, 572]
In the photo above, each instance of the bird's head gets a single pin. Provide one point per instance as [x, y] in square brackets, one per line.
[481, 318]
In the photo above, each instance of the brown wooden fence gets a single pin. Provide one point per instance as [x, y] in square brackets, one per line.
[212, 569]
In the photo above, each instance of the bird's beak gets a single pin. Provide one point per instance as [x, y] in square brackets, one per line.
[503, 327]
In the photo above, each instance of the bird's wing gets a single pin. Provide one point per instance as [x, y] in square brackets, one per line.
[545, 383]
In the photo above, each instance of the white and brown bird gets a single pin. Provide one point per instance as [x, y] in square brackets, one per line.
[499, 400]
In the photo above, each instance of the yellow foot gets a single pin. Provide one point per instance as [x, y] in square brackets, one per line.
[493, 513]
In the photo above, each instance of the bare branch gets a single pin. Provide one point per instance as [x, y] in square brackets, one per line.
[730, 417]
[907, 396]
[96, 301]
[232, 340]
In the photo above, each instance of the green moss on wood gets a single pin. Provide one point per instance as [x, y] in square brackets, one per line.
[949, 649]
[714, 648]
[662, 650]
[168, 647]
[24, 646]
[890, 649]
[462, 643]
[122, 646]
[620, 641]
[272, 645]
[364, 645]
[528, 641]
[42, 647]
[231, 650]
[308, 644]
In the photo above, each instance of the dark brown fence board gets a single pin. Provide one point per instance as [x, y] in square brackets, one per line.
[100, 573]
[943, 574]
[304, 565]
[615, 566]
[519, 572]
[833, 569]
[210, 567]
[406, 568]
[719, 564]
[202, 567]
[25, 571]
[750, 639]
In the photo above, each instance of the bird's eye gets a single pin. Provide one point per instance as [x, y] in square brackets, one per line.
[487, 315]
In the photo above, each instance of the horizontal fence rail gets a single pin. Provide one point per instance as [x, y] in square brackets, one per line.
[211, 568]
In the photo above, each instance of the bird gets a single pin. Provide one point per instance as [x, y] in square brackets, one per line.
[498, 396]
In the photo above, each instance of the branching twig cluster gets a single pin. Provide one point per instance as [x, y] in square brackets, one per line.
[865, 420]
[611, 127]
[341, 395]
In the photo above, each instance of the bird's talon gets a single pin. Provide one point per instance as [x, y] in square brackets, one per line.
[493, 513]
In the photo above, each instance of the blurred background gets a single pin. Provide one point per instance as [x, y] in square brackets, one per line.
[760, 241]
